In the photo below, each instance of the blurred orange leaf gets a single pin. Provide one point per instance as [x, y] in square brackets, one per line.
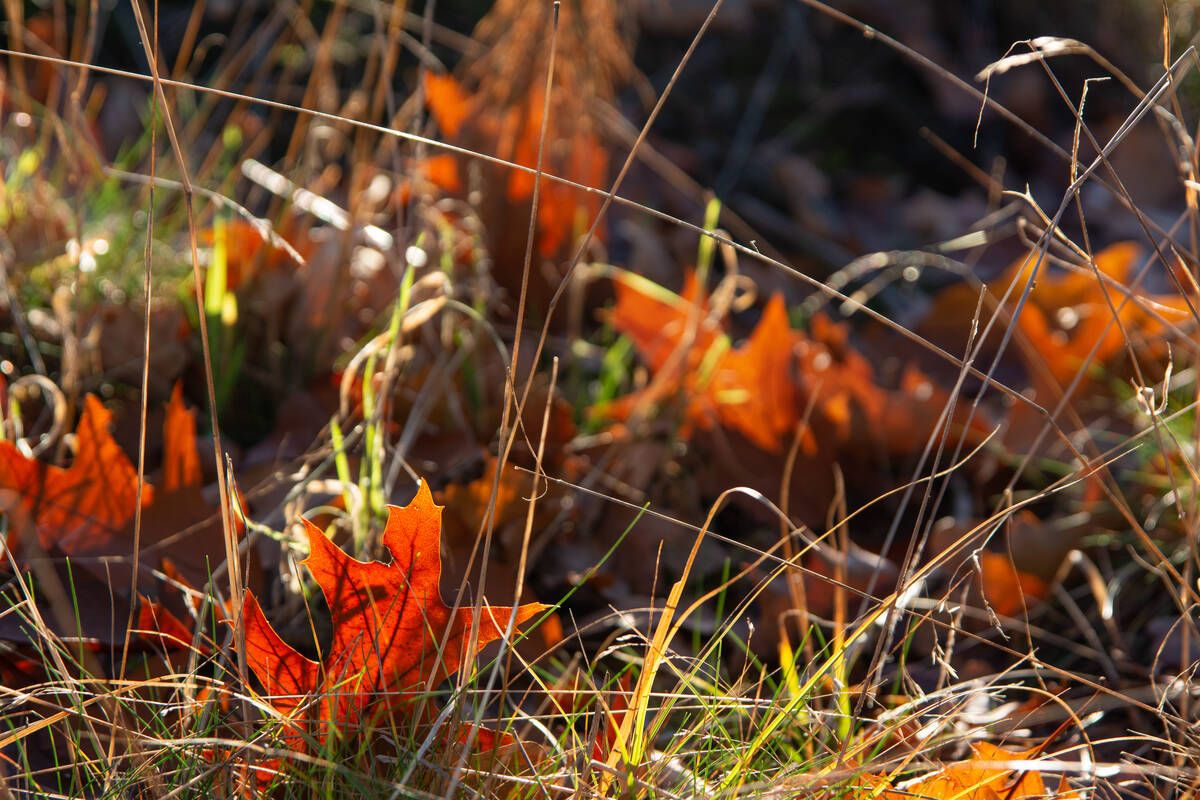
[84, 505]
[448, 103]
[247, 250]
[971, 781]
[763, 388]
[657, 322]
[181, 462]
[753, 386]
[1008, 590]
[1067, 313]
[469, 502]
[514, 135]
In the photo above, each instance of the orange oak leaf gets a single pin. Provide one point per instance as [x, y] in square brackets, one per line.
[392, 633]
[684, 348]
[181, 462]
[87, 508]
[753, 386]
[1067, 329]
[84, 505]
[469, 502]
[159, 620]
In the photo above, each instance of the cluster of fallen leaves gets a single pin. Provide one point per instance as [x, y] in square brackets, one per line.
[84, 514]
[813, 400]
[1082, 327]
[394, 639]
[778, 386]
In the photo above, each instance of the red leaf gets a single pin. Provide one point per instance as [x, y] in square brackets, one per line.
[81, 507]
[388, 623]
[155, 623]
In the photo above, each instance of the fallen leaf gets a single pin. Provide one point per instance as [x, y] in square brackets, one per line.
[469, 502]
[1066, 316]
[1015, 574]
[658, 321]
[753, 385]
[181, 462]
[392, 634]
[1007, 590]
[82, 506]
[470, 121]
[742, 406]
[86, 511]
[157, 624]
[763, 387]
[969, 780]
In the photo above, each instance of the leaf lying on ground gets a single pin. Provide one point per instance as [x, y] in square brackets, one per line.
[392, 634]
[971, 780]
[1016, 573]
[660, 322]
[765, 387]
[181, 462]
[1008, 590]
[86, 512]
[84, 505]
[155, 622]
[469, 502]
[88, 507]
[1067, 314]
